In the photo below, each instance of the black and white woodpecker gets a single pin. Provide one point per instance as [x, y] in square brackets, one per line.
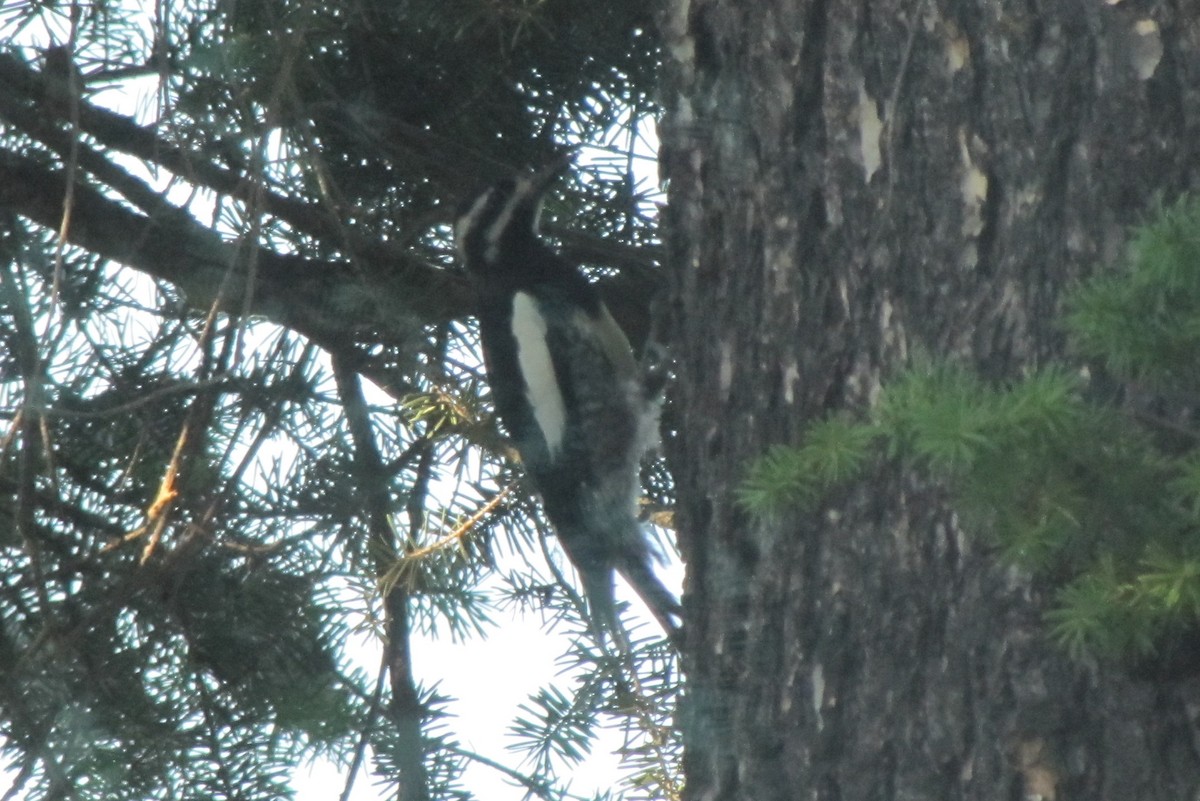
[568, 390]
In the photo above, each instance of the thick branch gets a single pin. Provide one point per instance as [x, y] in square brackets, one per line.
[378, 301]
[35, 103]
[407, 712]
[328, 301]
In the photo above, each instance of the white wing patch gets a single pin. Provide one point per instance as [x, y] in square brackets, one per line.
[537, 369]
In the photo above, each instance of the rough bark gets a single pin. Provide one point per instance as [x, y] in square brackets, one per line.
[851, 183]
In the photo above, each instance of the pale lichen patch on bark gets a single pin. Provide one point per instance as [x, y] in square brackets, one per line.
[870, 129]
[1146, 49]
[779, 255]
[791, 379]
[974, 187]
[958, 48]
[892, 330]
[725, 368]
[680, 45]
[818, 693]
[1037, 769]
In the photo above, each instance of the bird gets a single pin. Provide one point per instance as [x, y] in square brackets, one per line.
[568, 390]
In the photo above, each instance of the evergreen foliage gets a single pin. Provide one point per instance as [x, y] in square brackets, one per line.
[1087, 475]
[242, 414]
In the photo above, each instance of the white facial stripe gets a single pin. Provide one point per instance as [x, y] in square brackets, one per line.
[496, 230]
[467, 221]
[537, 369]
[521, 192]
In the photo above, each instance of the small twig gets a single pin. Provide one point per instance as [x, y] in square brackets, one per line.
[364, 737]
[405, 705]
[540, 789]
[164, 499]
[141, 400]
[656, 734]
[461, 529]
[158, 513]
[74, 94]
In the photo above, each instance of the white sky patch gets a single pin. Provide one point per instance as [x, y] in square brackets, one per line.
[537, 369]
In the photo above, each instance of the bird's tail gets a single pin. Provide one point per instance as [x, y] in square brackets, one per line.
[622, 548]
[658, 598]
[602, 607]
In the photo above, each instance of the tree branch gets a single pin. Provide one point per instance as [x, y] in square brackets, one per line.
[327, 301]
[405, 705]
[36, 102]
[381, 299]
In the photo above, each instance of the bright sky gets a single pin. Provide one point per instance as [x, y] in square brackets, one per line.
[489, 680]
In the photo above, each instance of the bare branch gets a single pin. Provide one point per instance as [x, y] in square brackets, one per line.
[327, 301]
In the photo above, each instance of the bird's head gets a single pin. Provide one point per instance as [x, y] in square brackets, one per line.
[504, 217]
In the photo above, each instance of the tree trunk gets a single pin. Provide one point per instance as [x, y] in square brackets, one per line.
[853, 183]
